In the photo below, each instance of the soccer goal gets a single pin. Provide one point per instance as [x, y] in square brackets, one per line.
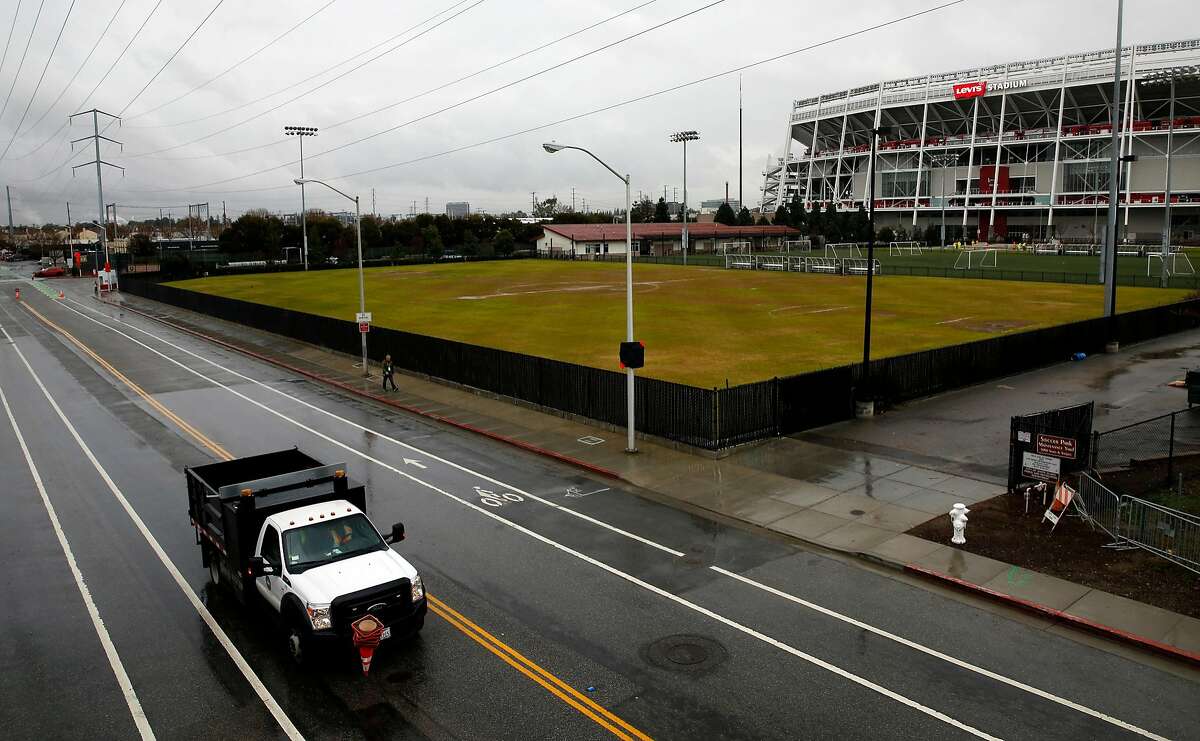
[736, 248]
[1178, 263]
[797, 245]
[901, 248]
[971, 259]
[844, 249]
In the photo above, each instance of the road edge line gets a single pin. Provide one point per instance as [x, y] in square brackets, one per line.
[1046, 611]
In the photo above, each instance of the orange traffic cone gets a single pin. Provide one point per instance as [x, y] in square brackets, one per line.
[18, 294]
[61, 295]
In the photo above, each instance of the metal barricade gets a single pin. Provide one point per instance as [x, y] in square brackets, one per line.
[1172, 534]
[1101, 505]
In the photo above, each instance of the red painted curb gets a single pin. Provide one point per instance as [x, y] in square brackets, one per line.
[1106, 630]
[591, 467]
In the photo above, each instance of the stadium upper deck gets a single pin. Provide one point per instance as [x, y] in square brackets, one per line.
[1017, 150]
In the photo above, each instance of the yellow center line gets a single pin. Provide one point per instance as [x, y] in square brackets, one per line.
[516, 655]
[551, 683]
[200, 437]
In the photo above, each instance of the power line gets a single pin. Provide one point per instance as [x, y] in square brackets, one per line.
[4, 57]
[29, 40]
[41, 77]
[314, 89]
[422, 94]
[310, 77]
[122, 54]
[170, 59]
[236, 64]
[481, 95]
[595, 111]
[67, 87]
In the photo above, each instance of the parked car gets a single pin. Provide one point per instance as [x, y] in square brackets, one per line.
[54, 272]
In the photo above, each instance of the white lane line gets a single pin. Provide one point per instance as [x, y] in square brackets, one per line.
[938, 654]
[114, 659]
[259, 688]
[351, 423]
[862, 681]
[952, 321]
[932, 652]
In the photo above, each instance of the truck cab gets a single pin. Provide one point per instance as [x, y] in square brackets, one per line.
[286, 530]
[323, 566]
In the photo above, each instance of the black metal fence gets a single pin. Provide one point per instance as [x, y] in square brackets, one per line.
[1160, 447]
[705, 418]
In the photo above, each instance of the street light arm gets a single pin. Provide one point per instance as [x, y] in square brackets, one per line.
[622, 178]
[302, 181]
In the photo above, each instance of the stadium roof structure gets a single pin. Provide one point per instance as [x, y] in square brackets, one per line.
[674, 229]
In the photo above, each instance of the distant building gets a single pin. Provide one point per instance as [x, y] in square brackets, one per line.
[345, 217]
[658, 239]
[458, 209]
[710, 207]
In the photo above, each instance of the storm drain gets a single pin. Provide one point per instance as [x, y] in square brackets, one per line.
[689, 654]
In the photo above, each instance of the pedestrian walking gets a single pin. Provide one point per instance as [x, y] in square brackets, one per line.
[388, 372]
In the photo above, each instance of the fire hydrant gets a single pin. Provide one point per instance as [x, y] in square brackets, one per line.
[18, 297]
[958, 520]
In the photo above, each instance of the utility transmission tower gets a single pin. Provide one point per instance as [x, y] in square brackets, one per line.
[96, 137]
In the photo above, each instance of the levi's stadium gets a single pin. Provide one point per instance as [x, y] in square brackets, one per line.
[1016, 152]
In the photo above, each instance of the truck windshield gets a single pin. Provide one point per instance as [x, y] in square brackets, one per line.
[326, 542]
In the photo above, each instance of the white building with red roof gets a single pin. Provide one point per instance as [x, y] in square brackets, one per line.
[658, 239]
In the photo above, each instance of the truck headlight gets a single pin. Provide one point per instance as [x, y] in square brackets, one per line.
[318, 615]
[418, 589]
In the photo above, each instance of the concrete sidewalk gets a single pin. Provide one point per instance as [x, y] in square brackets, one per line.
[851, 501]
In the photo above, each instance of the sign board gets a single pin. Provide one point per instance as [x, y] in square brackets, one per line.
[1063, 496]
[1023, 436]
[979, 88]
[364, 327]
[363, 317]
[1040, 467]
[1057, 446]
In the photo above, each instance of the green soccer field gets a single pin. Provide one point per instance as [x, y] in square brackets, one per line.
[701, 326]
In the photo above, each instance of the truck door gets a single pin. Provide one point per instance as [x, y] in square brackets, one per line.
[271, 586]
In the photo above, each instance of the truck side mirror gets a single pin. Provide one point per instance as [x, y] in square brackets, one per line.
[397, 534]
[257, 566]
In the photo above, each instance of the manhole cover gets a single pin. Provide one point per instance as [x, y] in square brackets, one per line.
[685, 653]
[857, 512]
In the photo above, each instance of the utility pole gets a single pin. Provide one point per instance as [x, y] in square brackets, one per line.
[533, 203]
[96, 137]
[70, 228]
[572, 199]
[224, 219]
[373, 211]
[1114, 187]
[12, 240]
[740, 201]
[426, 205]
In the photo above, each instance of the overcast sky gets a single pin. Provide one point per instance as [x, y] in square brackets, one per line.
[174, 155]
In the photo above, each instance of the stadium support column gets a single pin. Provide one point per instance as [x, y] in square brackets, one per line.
[1166, 240]
[812, 150]
[920, 160]
[970, 164]
[996, 165]
[837, 175]
[1062, 99]
[1114, 185]
[1127, 142]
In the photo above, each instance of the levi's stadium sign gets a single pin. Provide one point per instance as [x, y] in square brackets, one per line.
[964, 90]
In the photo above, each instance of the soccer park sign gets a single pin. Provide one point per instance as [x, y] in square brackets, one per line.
[967, 90]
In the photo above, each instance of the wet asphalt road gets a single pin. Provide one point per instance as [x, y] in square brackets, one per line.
[615, 595]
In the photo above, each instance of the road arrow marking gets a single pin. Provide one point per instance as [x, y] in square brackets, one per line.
[411, 462]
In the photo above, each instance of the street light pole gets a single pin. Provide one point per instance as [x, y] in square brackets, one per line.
[866, 395]
[1114, 187]
[362, 294]
[300, 132]
[630, 428]
[685, 137]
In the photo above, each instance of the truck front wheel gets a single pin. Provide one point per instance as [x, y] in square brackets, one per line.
[298, 640]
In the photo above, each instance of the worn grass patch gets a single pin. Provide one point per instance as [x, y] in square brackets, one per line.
[701, 326]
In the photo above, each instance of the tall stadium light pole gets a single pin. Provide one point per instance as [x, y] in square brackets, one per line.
[866, 394]
[1159, 77]
[630, 439]
[362, 294]
[942, 161]
[1114, 187]
[684, 137]
[300, 132]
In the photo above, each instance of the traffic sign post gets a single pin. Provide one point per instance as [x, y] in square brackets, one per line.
[364, 327]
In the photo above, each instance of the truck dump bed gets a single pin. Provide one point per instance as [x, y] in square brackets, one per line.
[229, 500]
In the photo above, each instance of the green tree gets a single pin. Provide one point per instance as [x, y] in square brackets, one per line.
[799, 218]
[744, 218]
[432, 239]
[832, 224]
[252, 233]
[141, 245]
[885, 235]
[782, 216]
[372, 232]
[816, 223]
[546, 208]
[470, 243]
[933, 234]
[860, 225]
[642, 211]
[725, 215]
[504, 242]
[661, 215]
[762, 220]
